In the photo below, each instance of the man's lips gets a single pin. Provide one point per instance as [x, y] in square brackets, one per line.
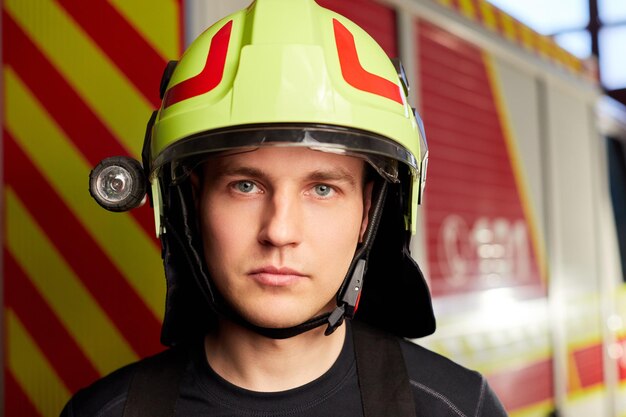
[276, 277]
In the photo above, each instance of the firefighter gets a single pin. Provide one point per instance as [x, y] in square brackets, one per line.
[285, 168]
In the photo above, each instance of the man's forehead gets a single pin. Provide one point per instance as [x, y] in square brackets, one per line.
[288, 162]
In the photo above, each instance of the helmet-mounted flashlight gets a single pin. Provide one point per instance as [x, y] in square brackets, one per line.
[118, 183]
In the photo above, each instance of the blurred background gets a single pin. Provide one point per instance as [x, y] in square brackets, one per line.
[585, 28]
[523, 224]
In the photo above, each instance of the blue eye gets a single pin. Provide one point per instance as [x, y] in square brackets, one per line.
[245, 186]
[323, 190]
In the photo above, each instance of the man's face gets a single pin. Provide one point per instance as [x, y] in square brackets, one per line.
[280, 227]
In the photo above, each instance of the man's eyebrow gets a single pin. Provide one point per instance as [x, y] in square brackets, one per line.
[243, 171]
[336, 174]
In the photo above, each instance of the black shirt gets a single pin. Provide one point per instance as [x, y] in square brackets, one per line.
[440, 388]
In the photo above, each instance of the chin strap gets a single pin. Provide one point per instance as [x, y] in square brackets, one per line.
[350, 292]
[283, 332]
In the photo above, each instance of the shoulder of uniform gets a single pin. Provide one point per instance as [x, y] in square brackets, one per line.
[107, 396]
[439, 383]
[422, 361]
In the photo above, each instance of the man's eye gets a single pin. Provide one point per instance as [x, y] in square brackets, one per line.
[323, 190]
[246, 186]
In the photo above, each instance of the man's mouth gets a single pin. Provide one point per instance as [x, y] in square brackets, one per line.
[276, 276]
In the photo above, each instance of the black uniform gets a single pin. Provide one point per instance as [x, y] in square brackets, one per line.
[439, 386]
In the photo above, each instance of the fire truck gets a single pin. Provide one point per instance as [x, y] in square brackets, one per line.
[521, 228]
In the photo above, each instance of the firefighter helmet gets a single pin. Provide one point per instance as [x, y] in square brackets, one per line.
[290, 73]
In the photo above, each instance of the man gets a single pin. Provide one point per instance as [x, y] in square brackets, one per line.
[286, 166]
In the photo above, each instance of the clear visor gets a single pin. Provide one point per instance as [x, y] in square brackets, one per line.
[381, 153]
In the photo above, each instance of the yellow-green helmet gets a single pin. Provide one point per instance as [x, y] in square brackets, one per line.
[283, 73]
[268, 73]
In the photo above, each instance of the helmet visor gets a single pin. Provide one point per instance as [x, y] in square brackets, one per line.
[381, 153]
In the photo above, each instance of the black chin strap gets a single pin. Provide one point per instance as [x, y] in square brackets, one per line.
[281, 333]
[347, 296]
[350, 291]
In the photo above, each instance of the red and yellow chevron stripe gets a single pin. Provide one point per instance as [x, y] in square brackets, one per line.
[495, 20]
[83, 288]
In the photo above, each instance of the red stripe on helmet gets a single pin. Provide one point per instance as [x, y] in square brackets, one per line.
[210, 76]
[354, 73]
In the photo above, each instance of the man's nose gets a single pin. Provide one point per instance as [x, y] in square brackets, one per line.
[282, 220]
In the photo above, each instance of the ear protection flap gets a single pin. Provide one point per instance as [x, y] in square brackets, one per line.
[395, 296]
[188, 311]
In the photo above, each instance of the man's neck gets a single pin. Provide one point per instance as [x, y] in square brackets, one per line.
[258, 363]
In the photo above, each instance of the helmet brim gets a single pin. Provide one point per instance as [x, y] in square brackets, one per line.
[383, 154]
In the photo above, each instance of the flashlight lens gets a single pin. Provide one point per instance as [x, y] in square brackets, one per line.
[114, 184]
[118, 183]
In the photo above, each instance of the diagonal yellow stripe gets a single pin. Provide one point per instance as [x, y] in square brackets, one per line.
[489, 15]
[508, 26]
[468, 9]
[86, 68]
[576, 64]
[553, 51]
[573, 374]
[542, 408]
[32, 370]
[155, 21]
[119, 235]
[523, 188]
[63, 290]
[541, 43]
[558, 54]
[528, 37]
